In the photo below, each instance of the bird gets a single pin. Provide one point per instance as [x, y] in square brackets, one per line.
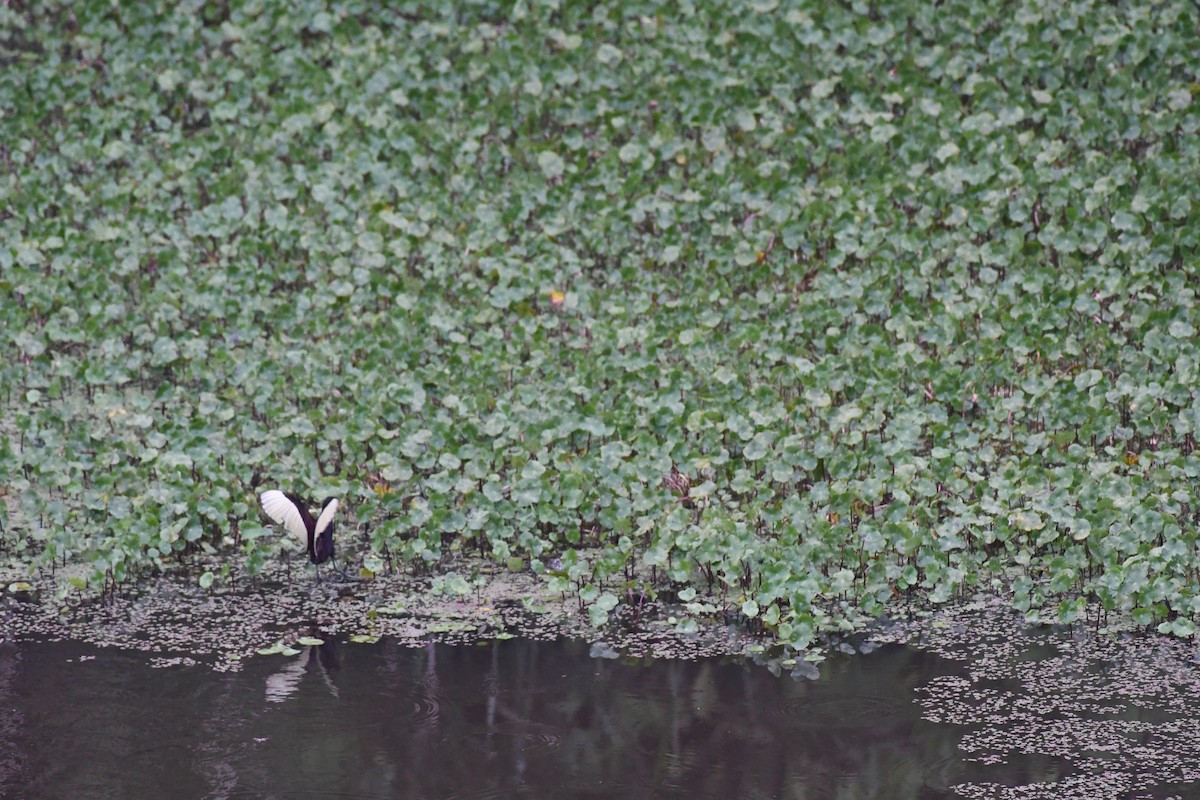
[316, 535]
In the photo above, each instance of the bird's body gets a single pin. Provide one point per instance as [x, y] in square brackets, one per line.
[291, 512]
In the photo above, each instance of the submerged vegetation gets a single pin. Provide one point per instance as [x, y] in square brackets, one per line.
[789, 309]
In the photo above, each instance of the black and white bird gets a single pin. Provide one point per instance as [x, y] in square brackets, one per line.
[316, 535]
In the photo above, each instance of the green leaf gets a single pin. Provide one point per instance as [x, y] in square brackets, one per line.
[551, 164]
[597, 616]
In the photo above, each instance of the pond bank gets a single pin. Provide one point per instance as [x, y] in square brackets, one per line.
[173, 620]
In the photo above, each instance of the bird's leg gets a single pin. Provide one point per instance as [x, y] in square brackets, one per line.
[287, 559]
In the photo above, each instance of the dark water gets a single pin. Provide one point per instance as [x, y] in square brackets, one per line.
[506, 719]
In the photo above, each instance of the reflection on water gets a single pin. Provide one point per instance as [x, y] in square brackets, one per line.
[503, 719]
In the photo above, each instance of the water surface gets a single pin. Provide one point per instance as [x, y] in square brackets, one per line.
[502, 719]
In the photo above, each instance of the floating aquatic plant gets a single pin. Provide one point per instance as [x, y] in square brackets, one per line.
[809, 311]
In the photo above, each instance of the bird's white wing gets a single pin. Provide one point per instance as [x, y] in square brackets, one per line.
[326, 517]
[284, 512]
